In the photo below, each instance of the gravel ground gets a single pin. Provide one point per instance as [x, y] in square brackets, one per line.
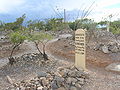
[100, 79]
[19, 72]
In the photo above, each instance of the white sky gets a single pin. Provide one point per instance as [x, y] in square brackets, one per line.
[101, 8]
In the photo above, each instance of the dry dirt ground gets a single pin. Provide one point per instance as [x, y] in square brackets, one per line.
[100, 79]
[26, 72]
[6, 51]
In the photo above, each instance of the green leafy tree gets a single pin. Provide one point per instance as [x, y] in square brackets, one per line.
[36, 24]
[36, 38]
[115, 27]
[17, 38]
[17, 25]
[72, 25]
[54, 24]
[83, 24]
[43, 38]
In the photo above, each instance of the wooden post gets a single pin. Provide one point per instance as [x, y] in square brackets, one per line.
[80, 49]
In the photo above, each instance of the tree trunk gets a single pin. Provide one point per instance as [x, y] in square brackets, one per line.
[38, 48]
[11, 59]
[45, 56]
[12, 51]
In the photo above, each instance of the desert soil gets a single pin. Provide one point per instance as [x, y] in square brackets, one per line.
[100, 79]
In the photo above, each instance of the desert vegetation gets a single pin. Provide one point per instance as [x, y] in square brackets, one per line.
[40, 54]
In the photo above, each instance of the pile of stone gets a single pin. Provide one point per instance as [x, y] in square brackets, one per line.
[107, 42]
[105, 37]
[69, 78]
[31, 57]
[110, 48]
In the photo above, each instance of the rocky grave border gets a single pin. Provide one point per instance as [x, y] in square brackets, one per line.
[30, 60]
[52, 77]
[69, 78]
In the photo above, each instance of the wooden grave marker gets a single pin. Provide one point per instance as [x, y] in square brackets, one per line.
[80, 49]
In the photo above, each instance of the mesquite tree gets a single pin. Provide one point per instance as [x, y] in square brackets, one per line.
[43, 38]
[35, 37]
[17, 38]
